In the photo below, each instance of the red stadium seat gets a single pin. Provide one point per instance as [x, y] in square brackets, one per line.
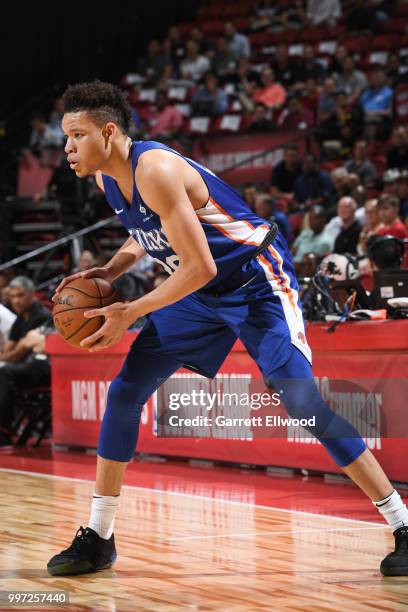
[402, 9]
[214, 27]
[385, 42]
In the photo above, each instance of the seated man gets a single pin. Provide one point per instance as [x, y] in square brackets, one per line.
[21, 367]
[285, 173]
[376, 102]
[312, 240]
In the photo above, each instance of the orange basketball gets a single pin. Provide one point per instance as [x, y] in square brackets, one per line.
[80, 295]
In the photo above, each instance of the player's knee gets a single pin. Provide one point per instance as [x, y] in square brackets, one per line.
[124, 395]
[120, 425]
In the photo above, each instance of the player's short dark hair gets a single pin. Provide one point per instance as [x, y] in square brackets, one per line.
[102, 101]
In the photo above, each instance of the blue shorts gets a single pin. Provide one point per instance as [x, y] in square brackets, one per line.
[258, 304]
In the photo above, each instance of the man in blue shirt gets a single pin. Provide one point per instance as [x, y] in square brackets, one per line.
[376, 102]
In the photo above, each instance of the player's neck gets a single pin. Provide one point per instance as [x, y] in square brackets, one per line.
[119, 165]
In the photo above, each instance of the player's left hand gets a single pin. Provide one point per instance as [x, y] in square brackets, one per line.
[118, 318]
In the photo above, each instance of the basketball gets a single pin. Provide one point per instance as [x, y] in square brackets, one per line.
[80, 295]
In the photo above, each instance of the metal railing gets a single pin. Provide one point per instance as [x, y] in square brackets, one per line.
[57, 243]
[306, 134]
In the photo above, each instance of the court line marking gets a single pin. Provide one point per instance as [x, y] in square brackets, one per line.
[260, 533]
[204, 497]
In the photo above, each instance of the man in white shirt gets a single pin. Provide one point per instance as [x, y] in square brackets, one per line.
[195, 65]
[7, 318]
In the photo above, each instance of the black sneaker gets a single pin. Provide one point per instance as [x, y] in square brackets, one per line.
[396, 563]
[87, 553]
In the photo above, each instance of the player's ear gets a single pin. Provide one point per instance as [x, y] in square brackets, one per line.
[108, 132]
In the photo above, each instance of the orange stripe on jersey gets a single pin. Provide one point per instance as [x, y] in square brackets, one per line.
[224, 212]
[232, 220]
[286, 289]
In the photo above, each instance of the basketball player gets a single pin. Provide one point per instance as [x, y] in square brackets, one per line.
[230, 276]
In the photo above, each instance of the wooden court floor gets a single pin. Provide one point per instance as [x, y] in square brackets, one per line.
[181, 551]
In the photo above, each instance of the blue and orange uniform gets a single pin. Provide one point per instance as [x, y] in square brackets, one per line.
[253, 297]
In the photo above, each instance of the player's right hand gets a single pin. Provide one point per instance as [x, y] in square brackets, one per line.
[92, 273]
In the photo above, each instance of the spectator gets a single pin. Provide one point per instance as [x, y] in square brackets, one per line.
[360, 165]
[224, 61]
[349, 228]
[327, 101]
[265, 208]
[390, 182]
[285, 68]
[336, 63]
[238, 43]
[205, 46]
[393, 70]
[166, 120]
[371, 226]
[312, 240]
[339, 130]
[365, 13]
[5, 297]
[346, 210]
[174, 45]
[295, 116]
[351, 81]
[194, 66]
[403, 196]
[86, 261]
[376, 102]
[244, 77]
[323, 12]
[7, 318]
[209, 99]
[310, 97]
[43, 136]
[154, 64]
[285, 174]
[249, 194]
[391, 224]
[271, 94]
[267, 15]
[397, 154]
[313, 186]
[55, 118]
[310, 68]
[260, 122]
[339, 178]
[19, 368]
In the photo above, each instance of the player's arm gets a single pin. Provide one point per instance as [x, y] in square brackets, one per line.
[123, 259]
[161, 184]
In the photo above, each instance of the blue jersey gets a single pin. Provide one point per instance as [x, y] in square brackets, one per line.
[232, 230]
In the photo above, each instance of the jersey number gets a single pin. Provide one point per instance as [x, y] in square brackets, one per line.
[171, 264]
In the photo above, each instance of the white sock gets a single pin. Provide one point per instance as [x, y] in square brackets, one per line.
[393, 510]
[103, 512]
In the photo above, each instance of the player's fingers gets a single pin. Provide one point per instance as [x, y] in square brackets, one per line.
[64, 282]
[98, 312]
[100, 344]
[93, 338]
